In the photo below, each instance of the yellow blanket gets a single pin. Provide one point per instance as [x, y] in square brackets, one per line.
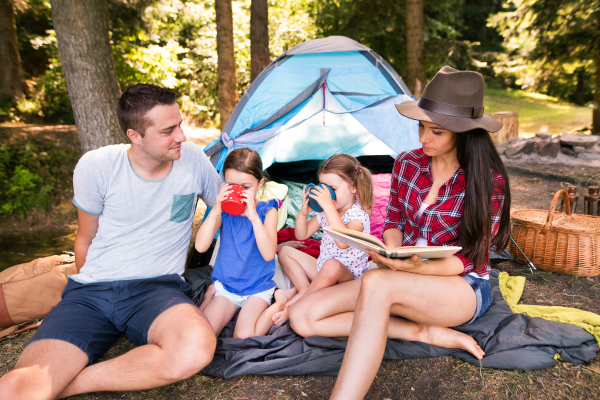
[512, 289]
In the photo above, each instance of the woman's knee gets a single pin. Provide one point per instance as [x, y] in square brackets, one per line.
[375, 281]
[300, 320]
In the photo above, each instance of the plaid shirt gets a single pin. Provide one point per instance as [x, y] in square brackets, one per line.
[440, 222]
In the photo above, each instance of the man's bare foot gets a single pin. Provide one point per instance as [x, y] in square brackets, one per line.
[449, 339]
[208, 296]
[280, 317]
[294, 299]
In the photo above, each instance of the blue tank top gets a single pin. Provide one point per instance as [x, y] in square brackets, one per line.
[239, 265]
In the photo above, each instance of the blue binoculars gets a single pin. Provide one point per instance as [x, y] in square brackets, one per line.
[314, 204]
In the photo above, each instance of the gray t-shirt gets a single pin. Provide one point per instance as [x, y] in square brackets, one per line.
[144, 226]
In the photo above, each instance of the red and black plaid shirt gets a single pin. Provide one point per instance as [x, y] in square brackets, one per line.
[440, 222]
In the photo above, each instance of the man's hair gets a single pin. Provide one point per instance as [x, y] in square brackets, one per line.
[136, 101]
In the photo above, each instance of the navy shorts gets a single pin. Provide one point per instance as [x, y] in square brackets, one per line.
[92, 316]
[483, 292]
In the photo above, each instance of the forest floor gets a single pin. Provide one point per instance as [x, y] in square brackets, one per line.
[532, 186]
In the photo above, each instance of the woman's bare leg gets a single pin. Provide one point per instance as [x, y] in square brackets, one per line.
[430, 303]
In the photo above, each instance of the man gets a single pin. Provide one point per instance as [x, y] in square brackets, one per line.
[135, 206]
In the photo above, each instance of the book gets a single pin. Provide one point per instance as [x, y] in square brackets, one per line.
[363, 241]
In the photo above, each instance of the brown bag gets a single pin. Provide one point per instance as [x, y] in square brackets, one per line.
[29, 291]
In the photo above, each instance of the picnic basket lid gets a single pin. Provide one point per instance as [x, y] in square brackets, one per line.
[557, 221]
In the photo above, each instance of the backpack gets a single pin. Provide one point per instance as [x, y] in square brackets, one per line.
[29, 291]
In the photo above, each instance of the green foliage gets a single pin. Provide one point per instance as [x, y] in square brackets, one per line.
[31, 177]
[552, 45]
[381, 25]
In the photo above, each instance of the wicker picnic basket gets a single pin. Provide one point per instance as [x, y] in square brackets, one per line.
[556, 241]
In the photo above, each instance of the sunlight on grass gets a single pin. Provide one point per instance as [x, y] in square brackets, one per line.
[538, 112]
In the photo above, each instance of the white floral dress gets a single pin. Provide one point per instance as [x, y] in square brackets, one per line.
[355, 260]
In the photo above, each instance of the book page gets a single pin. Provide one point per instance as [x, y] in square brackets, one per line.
[359, 235]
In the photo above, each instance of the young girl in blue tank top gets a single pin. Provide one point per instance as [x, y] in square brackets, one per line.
[243, 271]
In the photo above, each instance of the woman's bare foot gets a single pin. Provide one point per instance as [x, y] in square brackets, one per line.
[208, 296]
[449, 339]
[280, 317]
[294, 299]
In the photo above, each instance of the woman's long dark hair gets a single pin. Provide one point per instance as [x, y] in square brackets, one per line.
[478, 157]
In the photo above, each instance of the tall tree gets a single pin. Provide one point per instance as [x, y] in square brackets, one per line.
[85, 53]
[228, 96]
[12, 83]
[567, 31]
[259, 37]
[415, 43]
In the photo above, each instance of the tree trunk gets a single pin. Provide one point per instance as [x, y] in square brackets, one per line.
[259, 37]
[228, 96]
[580, 89]
[12, 83]
[596, 112]
[415, 43]
[85, 53]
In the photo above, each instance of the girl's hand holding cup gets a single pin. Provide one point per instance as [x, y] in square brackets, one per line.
[250, 202]
[223, 193]
[305, 209]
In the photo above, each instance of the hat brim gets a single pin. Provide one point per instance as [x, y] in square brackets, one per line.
[411, 109]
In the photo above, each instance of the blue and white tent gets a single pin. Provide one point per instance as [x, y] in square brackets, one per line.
[321, 97]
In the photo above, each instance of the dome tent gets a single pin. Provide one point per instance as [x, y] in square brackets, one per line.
[322, 97]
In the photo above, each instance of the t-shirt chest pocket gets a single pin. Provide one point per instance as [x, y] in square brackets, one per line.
[181, 210]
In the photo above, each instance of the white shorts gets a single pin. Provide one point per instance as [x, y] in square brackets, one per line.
[239, 301]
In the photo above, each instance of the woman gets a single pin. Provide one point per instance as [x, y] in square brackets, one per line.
[453, 191]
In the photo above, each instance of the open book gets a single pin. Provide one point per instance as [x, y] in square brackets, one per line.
[364, 241]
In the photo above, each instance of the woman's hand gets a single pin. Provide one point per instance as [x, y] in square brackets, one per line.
[323, 196]
[223, 193]
[250, 210]
[413, 264]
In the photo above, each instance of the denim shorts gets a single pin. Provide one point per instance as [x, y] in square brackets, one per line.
[483, 292]
[92, 316]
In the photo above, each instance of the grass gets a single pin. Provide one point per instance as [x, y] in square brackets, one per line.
[538, 112]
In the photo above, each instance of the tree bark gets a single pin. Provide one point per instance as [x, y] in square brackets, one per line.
[596, 111]
[12, 83]
[415, 43]
[259, 37]
[228, 96]
[85, 53]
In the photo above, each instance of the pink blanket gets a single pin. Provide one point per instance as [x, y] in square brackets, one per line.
[381, 192]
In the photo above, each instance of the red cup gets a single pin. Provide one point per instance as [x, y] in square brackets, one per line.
[234, 203]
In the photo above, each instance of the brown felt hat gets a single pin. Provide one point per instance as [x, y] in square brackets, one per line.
[453, 100]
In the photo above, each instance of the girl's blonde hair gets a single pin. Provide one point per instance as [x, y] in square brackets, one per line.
[350, 170]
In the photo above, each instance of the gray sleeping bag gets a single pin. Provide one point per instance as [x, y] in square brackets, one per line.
[510, 341]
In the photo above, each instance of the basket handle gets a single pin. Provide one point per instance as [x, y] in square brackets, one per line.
[550, 218]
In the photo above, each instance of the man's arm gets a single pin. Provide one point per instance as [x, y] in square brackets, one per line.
[86, 231]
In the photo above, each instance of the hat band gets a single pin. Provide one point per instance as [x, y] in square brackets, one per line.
[450, 109]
